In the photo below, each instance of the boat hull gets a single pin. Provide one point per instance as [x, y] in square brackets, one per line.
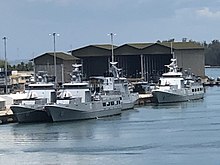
[62, 113]
[166, 97]
[25, 114]
[127, 105]
[130, 102]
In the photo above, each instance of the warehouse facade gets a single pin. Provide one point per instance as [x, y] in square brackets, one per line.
[64, 61]
[142, 60]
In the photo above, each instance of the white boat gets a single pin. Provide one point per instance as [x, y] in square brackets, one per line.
[31, 108]
[96, 104]
[176, 87]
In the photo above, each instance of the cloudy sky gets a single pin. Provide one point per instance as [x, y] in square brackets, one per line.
[28, 23]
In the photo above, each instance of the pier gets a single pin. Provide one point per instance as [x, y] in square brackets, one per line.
[210, 81]
[6, 116]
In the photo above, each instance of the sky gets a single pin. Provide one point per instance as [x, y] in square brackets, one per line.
[28, 23]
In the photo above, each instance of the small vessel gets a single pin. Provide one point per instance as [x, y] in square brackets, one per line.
[174, 86]
[97, 103]
[144, 90]
[31, 108]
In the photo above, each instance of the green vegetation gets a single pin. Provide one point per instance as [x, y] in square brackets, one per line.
[19, 67]
[212, 53]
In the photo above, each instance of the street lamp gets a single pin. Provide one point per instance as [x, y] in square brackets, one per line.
[6, 69]
[54, 54]
[111, 37]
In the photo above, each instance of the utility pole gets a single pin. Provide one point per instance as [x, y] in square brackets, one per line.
[6, 65]
[54, 54]
[111, 36]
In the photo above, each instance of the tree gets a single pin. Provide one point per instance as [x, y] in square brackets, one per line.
[20, 67]
[212, 53]
[2, 63]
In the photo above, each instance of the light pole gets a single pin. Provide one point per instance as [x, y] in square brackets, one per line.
[6, 69]
[171, 48]
[111, 36]
[54, 55]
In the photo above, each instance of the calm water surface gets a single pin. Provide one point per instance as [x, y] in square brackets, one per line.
[183, 133]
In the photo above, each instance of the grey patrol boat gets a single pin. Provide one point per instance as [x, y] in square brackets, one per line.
[121, 84]
[95, 102]
[31, 108]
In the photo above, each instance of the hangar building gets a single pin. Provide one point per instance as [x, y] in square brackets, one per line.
[142, 60]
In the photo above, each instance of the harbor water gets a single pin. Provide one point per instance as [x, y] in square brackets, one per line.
[180, 133]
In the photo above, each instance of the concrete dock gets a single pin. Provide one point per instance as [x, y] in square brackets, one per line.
[145, 99]
[6, 116]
